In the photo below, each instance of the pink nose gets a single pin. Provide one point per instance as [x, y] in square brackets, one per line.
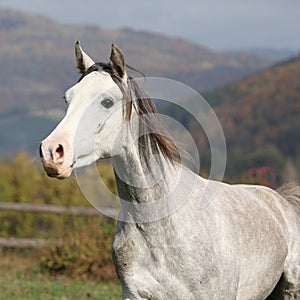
[52, 153]
[56, 157]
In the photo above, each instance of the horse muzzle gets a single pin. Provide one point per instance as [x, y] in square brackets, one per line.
[57, 158]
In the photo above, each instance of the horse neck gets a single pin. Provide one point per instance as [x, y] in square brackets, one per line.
[144, 187]
[154, 191]
[142, 177]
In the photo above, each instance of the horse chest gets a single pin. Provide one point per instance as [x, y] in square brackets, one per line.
[136, 258]
[124, 252]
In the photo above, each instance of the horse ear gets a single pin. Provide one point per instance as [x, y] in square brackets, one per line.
[83, 61]
[117, 61]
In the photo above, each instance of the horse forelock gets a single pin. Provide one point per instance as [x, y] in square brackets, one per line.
[98, 67]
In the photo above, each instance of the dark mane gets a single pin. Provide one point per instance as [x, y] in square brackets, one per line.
[154, 137]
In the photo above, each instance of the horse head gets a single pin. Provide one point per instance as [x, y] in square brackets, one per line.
[94, 118]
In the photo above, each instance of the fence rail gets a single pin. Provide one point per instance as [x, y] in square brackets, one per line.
[55, 209]
[24, 243]
[43, 208]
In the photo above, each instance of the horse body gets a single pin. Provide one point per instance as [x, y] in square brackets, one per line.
[179, 236]
[217, 252]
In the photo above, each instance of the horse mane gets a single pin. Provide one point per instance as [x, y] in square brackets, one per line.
[154, 137]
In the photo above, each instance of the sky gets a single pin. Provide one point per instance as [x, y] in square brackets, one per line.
[218, 24]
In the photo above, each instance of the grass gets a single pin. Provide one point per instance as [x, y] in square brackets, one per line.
[37, 288]
[19, 279]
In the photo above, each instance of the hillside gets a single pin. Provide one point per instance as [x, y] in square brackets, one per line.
[36, 58]
[260, 118]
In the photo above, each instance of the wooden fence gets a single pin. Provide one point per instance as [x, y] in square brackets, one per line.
[43, 208]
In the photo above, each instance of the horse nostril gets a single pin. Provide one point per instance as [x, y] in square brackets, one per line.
[59, 151]
[41, 151]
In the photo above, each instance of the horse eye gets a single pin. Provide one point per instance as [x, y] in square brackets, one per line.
[107, 103]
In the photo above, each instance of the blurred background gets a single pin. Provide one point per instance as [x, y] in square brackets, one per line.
[242, 56]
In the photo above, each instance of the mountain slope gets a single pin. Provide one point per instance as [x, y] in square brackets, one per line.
[37, 64]
[260, 116]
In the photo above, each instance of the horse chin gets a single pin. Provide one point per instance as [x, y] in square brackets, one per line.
[61, 174]
[65, 174]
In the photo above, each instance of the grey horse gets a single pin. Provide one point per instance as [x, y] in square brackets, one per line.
[244, 243]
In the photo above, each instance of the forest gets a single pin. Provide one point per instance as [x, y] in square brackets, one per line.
[260, 119]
